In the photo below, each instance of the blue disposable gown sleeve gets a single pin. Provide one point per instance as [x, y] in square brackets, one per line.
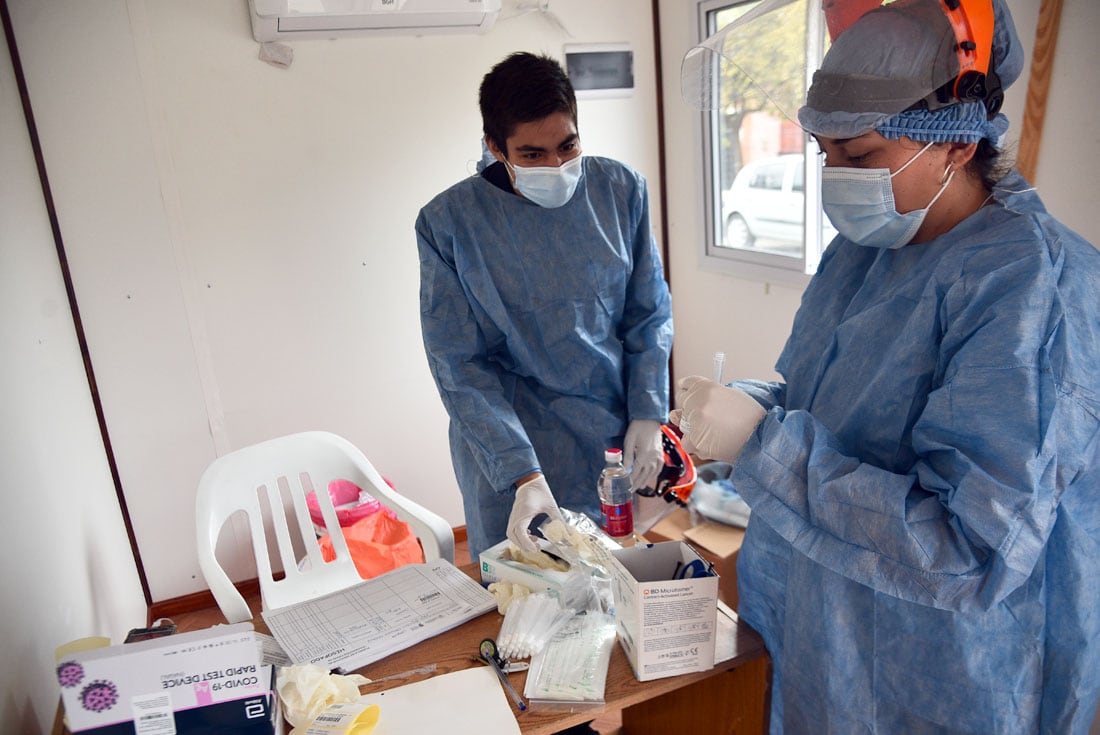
[768, 394]
[999, 438]
[646, 327]
[469, 382]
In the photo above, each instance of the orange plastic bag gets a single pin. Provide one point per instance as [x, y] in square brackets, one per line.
[378, 543]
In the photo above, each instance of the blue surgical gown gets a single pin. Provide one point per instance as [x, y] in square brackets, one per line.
[546, 330]
[924, 549]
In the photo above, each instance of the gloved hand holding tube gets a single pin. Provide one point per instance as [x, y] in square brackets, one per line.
[532, 498]
[642, 453]
[716, 420]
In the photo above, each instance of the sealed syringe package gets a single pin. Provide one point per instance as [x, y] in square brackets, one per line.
[570, 672]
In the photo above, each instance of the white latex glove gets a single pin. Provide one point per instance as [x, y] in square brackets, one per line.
[716, 420]
[642, 453]
[532, 497]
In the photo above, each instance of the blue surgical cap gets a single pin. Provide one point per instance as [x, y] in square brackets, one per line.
[1008, 54]
[965, 122]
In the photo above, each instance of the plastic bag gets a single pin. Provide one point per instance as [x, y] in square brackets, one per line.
[349, 502]
[378, 544]
[571, 669]
[715, 497]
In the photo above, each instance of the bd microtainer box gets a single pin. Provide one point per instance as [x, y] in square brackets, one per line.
[666, 608]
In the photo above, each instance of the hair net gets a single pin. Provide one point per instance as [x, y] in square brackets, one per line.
[965, 122]
[892, 58]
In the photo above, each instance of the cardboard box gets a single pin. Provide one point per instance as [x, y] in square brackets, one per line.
[208, 681]
[666, 624]
[495, 567]
[716, 542]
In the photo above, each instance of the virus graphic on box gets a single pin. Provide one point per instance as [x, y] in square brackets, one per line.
[99, 696]
[70, 673]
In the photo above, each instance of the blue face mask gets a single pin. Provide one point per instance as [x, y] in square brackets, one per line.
[860, 204]
[548, 186]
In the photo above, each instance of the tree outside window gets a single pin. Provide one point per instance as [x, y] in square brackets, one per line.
[756, 154]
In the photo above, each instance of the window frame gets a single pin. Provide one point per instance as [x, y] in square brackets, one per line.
[759, 265]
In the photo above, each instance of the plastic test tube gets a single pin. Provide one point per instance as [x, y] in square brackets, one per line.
[719, 365]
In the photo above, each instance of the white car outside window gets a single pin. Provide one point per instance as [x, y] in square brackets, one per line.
[764, 207]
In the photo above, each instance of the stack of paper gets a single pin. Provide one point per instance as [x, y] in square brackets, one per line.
[356, 626]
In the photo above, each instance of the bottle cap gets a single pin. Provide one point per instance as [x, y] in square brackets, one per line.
[613, 455]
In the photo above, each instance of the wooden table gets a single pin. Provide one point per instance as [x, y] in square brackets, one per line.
[730, 699]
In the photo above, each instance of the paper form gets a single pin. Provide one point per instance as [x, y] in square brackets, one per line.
[369, 621]
[270, 652]
[468, 702]
[725, 638]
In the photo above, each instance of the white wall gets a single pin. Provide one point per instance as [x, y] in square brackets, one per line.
[69, 572]
[241, 236]
[1068, 174]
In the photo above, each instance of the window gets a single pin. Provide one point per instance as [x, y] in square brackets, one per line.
[762, 172]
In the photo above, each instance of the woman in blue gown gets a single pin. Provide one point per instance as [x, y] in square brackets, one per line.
[923, 554]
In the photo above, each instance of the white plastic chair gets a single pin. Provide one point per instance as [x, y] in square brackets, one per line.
[296, 465]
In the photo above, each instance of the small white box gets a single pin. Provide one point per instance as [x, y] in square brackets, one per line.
[666, 608]
[496, 567]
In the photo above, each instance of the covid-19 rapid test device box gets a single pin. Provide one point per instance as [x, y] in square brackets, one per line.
[190, 683]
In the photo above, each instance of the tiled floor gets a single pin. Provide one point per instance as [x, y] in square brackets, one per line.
[608, 724]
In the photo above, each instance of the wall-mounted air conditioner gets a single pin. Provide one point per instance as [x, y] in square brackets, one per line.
[274, 20]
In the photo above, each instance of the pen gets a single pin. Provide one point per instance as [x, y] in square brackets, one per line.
[490, 655]
[508, 686]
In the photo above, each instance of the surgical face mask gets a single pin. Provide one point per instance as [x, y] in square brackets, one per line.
[860, 204]
[548, 186]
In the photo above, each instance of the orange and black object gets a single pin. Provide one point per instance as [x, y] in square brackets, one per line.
[677, 478]
[972, 23]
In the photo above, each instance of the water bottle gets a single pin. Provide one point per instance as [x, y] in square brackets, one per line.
[616, 497]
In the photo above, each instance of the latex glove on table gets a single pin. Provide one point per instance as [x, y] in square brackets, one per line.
[716, 420]
[642, 452]
[532, 498]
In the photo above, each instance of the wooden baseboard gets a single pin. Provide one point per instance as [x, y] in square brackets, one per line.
[197, 601]
[202, 600]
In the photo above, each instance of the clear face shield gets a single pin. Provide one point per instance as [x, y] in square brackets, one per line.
[756, 59]
[750, 76]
